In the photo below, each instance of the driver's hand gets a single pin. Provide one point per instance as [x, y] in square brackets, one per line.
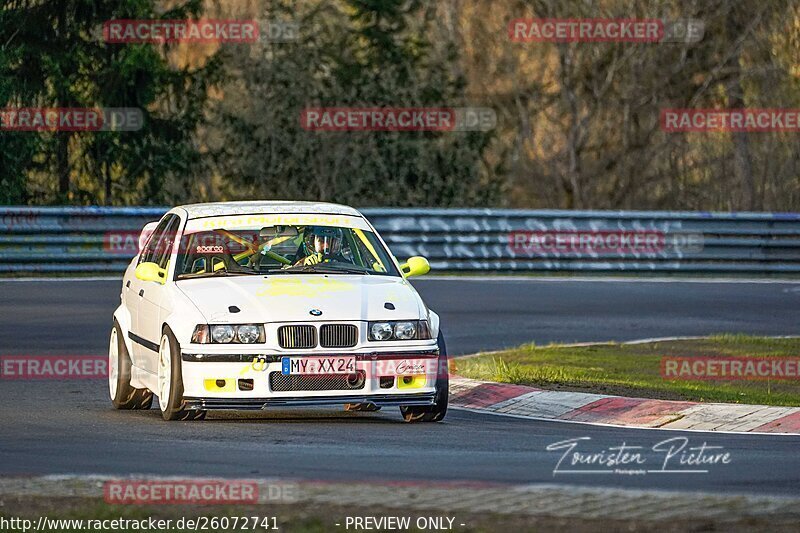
[313, 259]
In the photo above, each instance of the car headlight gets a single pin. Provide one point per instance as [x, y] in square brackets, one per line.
[404, 330]
[247, 334]
[380, 331]
[229, 334]
[222, 334]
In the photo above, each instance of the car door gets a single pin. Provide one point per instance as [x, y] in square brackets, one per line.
[130, 297]
[136, 291]
[155, 296]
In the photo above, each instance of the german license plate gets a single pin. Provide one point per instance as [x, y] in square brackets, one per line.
[318, 365]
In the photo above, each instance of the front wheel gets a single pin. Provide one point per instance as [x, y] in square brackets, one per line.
[170, 381]
[123, 395]
[437, 411]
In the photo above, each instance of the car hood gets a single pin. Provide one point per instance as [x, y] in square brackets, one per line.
[291, 297]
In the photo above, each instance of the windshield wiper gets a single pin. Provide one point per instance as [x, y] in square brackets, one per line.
[326, 268]
[217, 273]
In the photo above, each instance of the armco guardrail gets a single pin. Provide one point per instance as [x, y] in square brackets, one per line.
[103, 239]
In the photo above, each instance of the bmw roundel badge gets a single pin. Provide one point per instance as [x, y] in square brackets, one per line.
[315, 312]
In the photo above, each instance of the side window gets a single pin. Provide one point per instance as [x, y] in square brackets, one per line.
[150, 248]
[164, 246]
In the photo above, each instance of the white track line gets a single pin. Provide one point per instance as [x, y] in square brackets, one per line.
[601, 424]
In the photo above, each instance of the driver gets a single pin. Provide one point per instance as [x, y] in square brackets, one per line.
[322, 244]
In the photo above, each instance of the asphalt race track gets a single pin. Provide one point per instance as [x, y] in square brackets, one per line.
[69, 427]
[71, 316]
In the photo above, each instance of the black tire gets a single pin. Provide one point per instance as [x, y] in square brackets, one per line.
[437, 411]
[175, 409]
[126, 396]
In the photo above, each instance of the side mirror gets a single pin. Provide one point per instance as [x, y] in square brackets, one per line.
[415, 266]
[147, 230]
[151, 272]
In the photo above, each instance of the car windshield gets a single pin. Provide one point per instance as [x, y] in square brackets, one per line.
[282, 249]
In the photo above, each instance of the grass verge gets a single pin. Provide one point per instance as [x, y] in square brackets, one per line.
[635, 369]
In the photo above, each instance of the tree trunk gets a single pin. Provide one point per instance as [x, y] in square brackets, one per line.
[62, 165]
[62, 137]
[742, 159]
[108, 200]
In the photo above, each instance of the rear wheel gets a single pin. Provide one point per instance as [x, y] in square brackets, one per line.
[437, 411]
[170, 381]
[123, 395]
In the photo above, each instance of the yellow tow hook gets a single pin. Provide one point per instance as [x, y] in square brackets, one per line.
[259, 364]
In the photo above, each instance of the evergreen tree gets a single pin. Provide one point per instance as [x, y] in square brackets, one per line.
[52, 55]
[350, 54]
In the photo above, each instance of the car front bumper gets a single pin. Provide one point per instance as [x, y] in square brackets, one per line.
[237, 382]
[244, 404]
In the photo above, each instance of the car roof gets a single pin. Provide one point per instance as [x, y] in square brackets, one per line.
[216, 209]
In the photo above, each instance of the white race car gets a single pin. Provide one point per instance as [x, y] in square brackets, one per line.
[248, 305]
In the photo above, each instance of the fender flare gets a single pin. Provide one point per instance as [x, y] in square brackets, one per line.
[434, 324]
[123, 318]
